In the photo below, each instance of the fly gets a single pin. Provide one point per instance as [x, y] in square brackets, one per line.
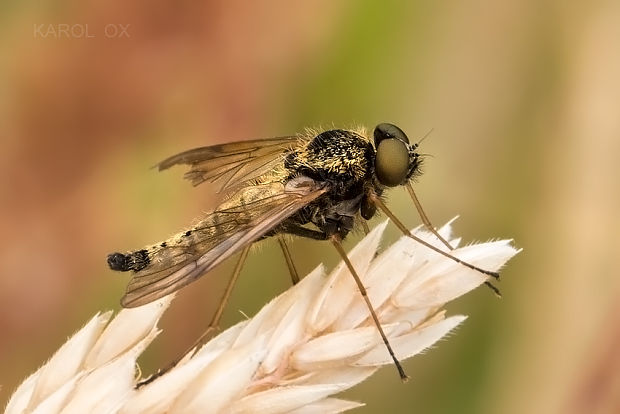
[314, 185]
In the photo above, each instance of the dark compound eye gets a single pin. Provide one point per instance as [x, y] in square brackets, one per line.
[385, 131]
[392, 162]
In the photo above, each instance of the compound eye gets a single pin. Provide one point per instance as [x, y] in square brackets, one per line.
[392, 162]
[385, 131]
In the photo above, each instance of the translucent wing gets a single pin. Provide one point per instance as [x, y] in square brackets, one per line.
[233, 163]
[243, 219]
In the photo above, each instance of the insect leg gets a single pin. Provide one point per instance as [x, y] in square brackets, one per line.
[215, 320]
[289, 260]
[338, 245]
[431, 228]
[424, 217]
[493, 288]
[407, 233]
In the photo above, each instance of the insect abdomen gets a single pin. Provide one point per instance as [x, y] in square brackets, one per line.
[135, 261]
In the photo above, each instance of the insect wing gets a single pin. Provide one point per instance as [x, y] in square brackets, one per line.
[247, 216]
[233, 163]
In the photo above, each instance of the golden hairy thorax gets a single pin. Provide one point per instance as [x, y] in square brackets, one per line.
[345, 153]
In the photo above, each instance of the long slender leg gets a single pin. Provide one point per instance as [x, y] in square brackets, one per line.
[215, 320]
[338, 245]
[493, 288]
[289, 260]
[431, 228]
[407, 233]
[424, 217]
[319, 235]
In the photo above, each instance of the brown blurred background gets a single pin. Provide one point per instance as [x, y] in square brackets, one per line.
[524, 99]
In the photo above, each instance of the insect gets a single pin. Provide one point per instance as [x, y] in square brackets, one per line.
[318, 185]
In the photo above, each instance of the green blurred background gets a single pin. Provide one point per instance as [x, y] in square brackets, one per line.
[524, 99]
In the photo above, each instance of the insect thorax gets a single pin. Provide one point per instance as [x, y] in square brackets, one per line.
[342, 158]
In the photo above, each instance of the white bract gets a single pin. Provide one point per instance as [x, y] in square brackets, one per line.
[311, 342]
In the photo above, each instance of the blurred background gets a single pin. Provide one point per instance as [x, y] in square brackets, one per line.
[524, 99]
